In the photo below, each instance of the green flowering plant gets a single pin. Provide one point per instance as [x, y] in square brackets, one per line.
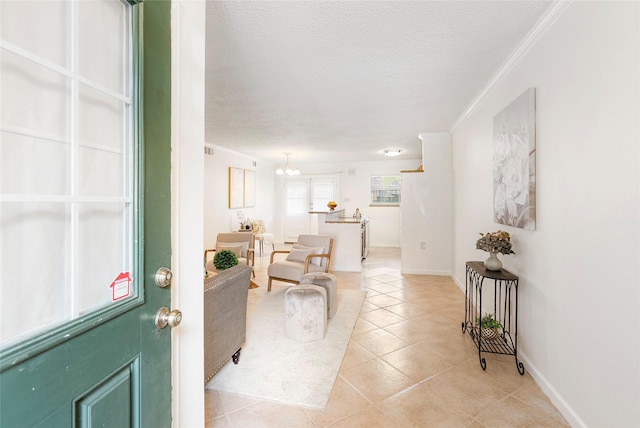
[225, 259]
[488, 321]
[495, 242]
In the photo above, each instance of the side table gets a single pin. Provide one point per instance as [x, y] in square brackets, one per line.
[504, 294]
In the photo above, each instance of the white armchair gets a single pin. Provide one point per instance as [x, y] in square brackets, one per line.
[312, 253]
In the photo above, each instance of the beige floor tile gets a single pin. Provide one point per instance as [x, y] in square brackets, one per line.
[270, 415]
[376, 379]
[354, 355]
[363, 326]
[407, 310]
[383, 300]
[501, 371]
[368, 307]
[219, 422]
[414, 407]
[475, 424]
[531, 394]
[512, 412]
[410, 331]
[381, 317]
[379, 341]
[417, 362]
[344, 402]
[462, 392]
[383, 287]
[453, 345]
[233, 402]
[369, 418]
[366, 281]
[213, 407]
[389, 276]
[411, 294]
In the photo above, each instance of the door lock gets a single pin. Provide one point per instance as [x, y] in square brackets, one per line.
[165, 317]
[163, 277]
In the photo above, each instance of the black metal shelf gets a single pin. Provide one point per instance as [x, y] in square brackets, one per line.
[504, 309]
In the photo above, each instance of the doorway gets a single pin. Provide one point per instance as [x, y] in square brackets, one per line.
[302, 197]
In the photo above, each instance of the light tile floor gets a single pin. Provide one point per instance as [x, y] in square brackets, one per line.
[407, 365]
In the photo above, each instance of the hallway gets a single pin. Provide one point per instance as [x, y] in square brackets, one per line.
[407, 364]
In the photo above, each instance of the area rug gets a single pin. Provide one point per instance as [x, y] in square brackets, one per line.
[277, 368]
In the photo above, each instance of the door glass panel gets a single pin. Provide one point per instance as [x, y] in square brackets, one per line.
[40, 166]
[101, 232]
[296, 198]
[50, 17]
[100, 18]
[35, 99]
[66, 161]
[322, 191]
[101, 119]
[35, 260]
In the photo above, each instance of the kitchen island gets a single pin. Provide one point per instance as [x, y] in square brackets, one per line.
[350, 239]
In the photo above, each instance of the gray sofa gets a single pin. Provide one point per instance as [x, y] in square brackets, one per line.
[225, 317]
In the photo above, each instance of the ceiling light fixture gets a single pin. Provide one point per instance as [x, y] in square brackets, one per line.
[287, 169]
[392, 152]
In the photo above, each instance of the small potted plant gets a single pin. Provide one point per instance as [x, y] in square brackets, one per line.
[489, 327]
[225, 259]
[494, 243]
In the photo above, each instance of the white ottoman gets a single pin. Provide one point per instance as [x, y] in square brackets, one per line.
[305, 313]
[329, 282]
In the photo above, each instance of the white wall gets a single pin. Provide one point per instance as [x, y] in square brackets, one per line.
[427, 209]
[217, 216]
[355, 183]
[579, 277]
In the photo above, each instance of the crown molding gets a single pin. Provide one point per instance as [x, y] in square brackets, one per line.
[550, 16]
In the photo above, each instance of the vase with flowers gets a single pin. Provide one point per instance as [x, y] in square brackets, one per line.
[494, 243]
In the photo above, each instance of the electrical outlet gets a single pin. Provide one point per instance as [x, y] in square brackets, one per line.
[423, 245]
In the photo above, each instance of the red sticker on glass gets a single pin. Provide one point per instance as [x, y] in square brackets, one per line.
[121, 286]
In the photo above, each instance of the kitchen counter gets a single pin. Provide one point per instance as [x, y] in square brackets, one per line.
[348, 240]
[345, 220]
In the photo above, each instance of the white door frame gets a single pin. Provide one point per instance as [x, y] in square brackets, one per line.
[187, 213]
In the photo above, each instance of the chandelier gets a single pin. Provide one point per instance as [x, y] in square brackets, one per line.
[287, 168]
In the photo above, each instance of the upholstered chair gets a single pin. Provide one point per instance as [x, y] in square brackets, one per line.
[311, 253]
[241, 243]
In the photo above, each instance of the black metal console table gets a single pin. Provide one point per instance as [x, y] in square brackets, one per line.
[504, 309]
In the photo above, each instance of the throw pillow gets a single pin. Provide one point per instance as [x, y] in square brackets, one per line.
[296, 255]
[314, 250]
[235, 248]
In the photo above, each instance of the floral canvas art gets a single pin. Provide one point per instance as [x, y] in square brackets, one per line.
[514, 163]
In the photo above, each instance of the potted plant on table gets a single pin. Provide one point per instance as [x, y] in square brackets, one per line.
[494, 243]
[489, 327]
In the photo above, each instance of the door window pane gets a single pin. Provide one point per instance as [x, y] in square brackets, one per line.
[66, 160]
[322, 191]
[296, 198]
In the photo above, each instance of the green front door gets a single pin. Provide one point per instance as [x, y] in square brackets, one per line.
[94, 355]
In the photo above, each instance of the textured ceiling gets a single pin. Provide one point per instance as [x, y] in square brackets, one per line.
[343, 80]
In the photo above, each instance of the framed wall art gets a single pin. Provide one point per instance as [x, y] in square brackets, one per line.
[236, 187]
[514, 163]
[249, 188]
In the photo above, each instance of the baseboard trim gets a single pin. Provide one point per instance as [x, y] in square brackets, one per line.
[561, 404]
